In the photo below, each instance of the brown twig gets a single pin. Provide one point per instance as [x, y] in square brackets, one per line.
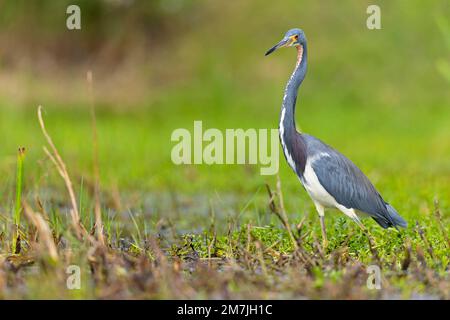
[437, 213]
[372, 247]
[260, 254]
[212, 243]
[407, 260]
[422, 235]
[96, 168]
[281, 213]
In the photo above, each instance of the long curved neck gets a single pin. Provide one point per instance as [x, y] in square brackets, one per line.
[287, 120]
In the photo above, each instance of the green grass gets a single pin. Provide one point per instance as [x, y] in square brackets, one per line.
[405, 159]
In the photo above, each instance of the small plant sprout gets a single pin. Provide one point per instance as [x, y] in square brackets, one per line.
[18, 204]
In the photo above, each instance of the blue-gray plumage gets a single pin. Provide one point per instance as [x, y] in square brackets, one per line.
[343, 180]
[330, 178]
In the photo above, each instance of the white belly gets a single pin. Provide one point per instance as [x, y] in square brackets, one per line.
[315, 190]
[318, 193]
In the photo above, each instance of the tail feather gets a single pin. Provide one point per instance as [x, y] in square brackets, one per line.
[393, 219]
[396, 219]
[383, 222]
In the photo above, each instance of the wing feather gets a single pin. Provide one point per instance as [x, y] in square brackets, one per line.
[346, 182]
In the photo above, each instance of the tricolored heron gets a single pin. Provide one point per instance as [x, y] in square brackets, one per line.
[331, 179]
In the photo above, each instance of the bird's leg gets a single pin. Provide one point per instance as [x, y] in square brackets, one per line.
[359, 223]
[352, 214]
[321, 210]
[324, 232]
[366, 232]
[363, 228]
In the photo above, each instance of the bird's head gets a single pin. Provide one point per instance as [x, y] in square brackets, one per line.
[292, 38]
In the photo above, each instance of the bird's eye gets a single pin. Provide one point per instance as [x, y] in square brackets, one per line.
[296, 37]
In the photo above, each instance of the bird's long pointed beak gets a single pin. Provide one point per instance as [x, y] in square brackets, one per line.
[280, 44]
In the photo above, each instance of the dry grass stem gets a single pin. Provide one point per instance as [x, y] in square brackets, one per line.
[45, 233]
[55, 157]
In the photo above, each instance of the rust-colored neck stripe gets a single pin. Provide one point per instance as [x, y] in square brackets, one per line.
[299, 54]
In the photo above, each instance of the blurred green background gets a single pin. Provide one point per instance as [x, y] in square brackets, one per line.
[379, 96]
